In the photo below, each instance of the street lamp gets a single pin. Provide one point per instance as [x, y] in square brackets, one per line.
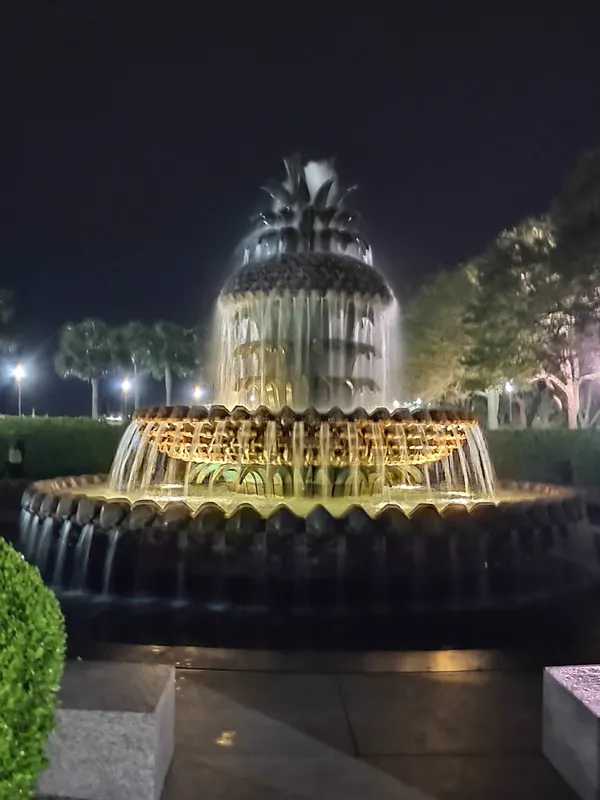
[125, 389]
[19, 374]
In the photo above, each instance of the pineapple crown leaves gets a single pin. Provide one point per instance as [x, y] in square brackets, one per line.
[307, 239]
[309, 199]
[315, 185]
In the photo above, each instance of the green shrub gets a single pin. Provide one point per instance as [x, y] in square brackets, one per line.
[61, 445]
[32, 650]
[548, 456]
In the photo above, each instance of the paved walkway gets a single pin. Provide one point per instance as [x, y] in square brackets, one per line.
[415, 736]
[444, 725]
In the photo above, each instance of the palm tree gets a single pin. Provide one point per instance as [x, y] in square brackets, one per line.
[133, 346]
[171, 351]
[86, 351]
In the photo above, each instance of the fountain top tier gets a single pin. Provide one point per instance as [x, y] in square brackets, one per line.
[308, 240]
[306, 319]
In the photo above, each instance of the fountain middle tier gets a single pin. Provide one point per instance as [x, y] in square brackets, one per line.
[292, 453]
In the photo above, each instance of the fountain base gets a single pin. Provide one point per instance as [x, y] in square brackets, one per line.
[533, 543]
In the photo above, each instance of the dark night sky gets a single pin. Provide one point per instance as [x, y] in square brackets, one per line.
[134, 137]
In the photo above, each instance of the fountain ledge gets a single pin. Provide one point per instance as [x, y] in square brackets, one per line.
[455, 557]
[66, 497]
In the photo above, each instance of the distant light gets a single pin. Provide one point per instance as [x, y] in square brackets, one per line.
[126, 386]
[253, 398]
[396, 404]
[114, 418]
[198, 392]
[509, 387]
[19, 373]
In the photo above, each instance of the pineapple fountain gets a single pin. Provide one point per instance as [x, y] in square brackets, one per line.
[299, 487]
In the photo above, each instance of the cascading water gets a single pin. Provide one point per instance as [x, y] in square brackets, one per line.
[305, 363]
[306, 320]
[300, 487]
[333, 456]
[300, 350]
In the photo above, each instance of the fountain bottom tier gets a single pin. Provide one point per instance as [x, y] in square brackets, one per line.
[349, 555]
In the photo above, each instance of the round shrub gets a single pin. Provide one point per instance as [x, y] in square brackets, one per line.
[32, 652]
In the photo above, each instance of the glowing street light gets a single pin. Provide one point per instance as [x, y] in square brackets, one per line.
[19, 374]
[197, 393]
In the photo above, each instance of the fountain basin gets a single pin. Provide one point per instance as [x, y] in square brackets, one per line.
[535, 541]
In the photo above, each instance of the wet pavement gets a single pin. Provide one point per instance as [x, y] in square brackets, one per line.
[438, 725]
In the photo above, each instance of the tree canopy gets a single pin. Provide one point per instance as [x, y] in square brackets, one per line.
[526, 310]
[85, 351]
[437, 338]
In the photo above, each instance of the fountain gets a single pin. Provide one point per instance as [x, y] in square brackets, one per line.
[300, 488]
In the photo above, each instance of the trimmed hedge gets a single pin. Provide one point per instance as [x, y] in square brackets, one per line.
[32, 652]
[61, 445]
[547, 456]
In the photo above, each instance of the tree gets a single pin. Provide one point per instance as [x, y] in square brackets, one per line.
[499, 310]
[533, 317]
[576, 215]
[86, 351]
[171, 351]
[133, 347]
[436, 337]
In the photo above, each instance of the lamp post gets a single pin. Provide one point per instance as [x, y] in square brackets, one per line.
[125, 389]
[19, 374]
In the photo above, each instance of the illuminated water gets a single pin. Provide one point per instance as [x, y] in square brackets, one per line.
[318, 455]
[305, 349]
[406, 498]
[305, 365]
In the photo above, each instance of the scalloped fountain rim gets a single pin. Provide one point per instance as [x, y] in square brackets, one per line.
[311, 274]
[219, 412]
[73, 487]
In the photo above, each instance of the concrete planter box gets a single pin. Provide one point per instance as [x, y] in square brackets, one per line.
[571, 733]
[115, 732]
